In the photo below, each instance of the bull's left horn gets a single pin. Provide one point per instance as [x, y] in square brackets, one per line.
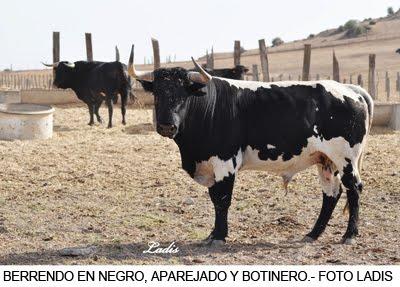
[51, 65]
[204, 76]
[140, 75]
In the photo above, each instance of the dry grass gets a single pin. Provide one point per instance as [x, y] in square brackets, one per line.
[118, 189]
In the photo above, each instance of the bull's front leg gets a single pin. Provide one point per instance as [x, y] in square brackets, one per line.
[91, 114]
[221, 196]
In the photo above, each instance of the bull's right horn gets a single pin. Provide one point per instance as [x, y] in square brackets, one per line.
[140, 75]
[201, 76]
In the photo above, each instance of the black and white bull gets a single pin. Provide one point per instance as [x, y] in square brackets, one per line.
[222, 126]
[94, 82]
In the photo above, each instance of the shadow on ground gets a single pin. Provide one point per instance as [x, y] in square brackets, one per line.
[134, 251]
[141, 129]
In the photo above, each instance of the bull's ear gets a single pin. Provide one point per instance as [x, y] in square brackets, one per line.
[195, 89]
[147, 86]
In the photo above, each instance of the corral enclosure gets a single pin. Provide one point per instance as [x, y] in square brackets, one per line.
[106, 193]
[111, 191]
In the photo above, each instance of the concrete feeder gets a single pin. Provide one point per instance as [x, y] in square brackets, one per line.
[25, 121]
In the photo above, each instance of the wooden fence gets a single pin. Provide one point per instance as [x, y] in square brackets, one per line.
[18, 81]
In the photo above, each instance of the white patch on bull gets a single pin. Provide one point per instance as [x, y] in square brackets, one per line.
[338, 90]
[316, 109]
[270, 146]
[213, 170]
[315, 129]
[336, 149]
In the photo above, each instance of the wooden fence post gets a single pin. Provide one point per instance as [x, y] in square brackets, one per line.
[387, 86]
[290, 77]
[255, 73]
[306, 62]
[89, 47]
[157, 65]
[116, 54]
[236, 53]
[156, 53]
[351, 79]
[212, 58]
[335, 74]
[371, 76]
[318, 77]
[398, 82]
[56, 48]
[360, 81]
[264, 60]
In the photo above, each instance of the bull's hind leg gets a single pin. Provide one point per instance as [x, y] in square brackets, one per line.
[124, 100]
[110, 109]
[352, 181]
[221, 196]
[96, 109]
[331, 190]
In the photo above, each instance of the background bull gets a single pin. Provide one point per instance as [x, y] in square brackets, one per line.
[94, 82]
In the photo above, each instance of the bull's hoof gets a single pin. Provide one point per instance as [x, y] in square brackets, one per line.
[308, 239]
[212, 242]
[348, 241]
[124, 123]
[109, 126]
[100, 120]
[91, 123]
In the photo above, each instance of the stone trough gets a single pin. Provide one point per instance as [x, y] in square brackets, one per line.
[25, 121]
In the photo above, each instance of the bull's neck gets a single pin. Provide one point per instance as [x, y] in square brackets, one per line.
[209, 119]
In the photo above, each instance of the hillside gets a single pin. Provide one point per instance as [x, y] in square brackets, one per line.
[382, 39]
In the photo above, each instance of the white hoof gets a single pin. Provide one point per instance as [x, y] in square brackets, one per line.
[212, 242]
[349, 241]
[217, 243]
[307, 239]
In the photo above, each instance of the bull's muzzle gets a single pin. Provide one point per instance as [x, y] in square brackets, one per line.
[167, 130]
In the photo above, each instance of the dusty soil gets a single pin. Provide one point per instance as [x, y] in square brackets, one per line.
[114, 190]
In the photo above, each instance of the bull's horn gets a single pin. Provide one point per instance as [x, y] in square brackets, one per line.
[202, 76]
[54, 65]
[71, 65]
[140, 75]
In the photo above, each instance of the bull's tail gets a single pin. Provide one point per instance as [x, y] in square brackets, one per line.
[370, 105]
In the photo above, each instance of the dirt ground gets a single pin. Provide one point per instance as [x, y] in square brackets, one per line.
[111, 191]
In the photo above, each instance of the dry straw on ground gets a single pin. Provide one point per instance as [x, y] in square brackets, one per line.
[111, 191]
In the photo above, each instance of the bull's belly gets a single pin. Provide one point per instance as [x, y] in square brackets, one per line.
[284, 168]
[215, 170]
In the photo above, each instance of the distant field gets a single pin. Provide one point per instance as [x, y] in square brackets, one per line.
[287, 59]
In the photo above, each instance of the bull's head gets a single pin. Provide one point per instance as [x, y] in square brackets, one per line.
[64, 73]
[172, 89]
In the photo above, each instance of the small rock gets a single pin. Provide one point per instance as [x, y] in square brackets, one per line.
[84, 251]
[198, 260]
[48, 238]
[188, 201]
